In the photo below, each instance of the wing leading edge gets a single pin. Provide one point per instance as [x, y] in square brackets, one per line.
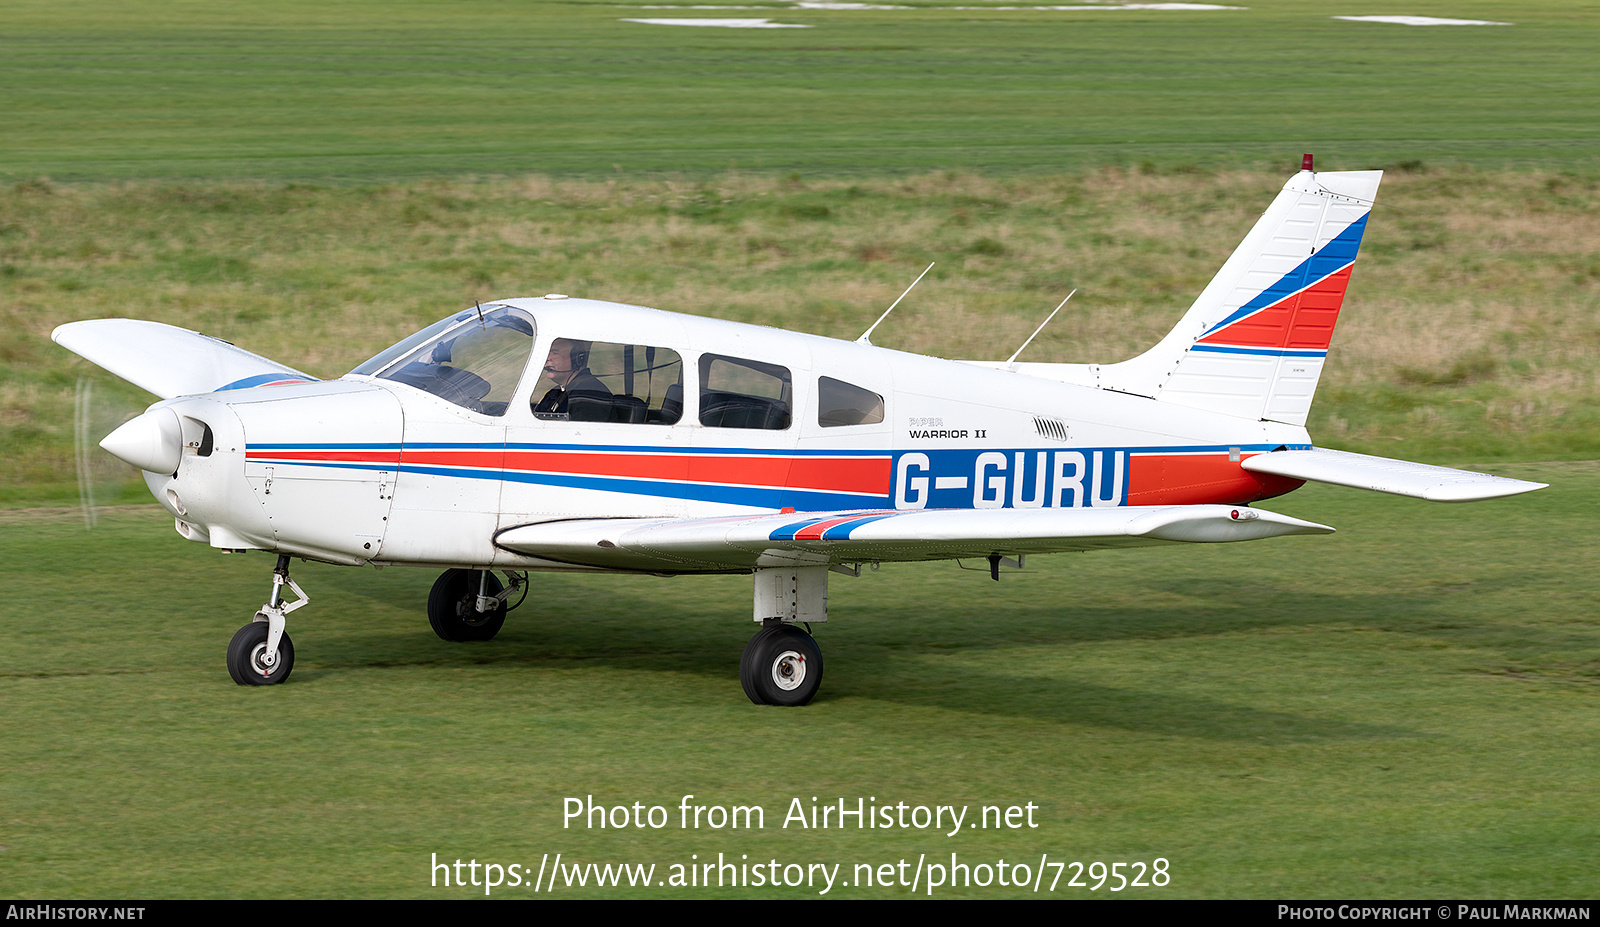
[747, 542]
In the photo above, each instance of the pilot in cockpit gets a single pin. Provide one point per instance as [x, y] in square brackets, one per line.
[578, 393]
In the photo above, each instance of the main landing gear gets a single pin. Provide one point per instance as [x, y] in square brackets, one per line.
[470, 605]
[261, 654]
[782, 665]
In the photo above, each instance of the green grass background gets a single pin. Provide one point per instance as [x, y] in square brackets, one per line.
[378, 91]
[1405, 709]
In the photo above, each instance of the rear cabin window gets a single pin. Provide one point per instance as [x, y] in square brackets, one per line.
[739, 393]
[598, 381]
[841, 403]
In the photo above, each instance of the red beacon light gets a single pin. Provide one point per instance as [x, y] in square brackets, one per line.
[1305, 162]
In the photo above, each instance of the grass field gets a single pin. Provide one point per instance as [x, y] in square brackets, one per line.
[1402, 710]
[1405, 709]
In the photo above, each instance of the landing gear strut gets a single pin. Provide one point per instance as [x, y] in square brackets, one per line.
[261, 654]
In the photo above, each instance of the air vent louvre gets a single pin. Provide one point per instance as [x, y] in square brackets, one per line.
[1052, 428]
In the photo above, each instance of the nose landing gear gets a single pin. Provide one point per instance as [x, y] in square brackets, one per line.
[260, 653]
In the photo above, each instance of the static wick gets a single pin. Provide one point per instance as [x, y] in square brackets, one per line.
[863, 338]
[1013, 358]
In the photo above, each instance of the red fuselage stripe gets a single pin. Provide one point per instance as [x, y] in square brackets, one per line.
[1196, 479]
[869, 475]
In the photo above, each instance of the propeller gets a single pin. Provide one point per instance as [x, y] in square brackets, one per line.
[102, 478]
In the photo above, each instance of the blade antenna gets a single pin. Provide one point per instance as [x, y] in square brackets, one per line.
[863, 338]
[1012, 359]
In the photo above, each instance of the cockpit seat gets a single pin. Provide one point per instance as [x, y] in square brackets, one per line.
[629, 410]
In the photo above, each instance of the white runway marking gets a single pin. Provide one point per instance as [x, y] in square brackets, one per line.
[720, 23]
[1422, 21]
[1117, 6]
[1103, 6]
[836, 5]
[801, 5]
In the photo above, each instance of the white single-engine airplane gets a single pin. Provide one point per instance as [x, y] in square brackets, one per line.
[571, 434]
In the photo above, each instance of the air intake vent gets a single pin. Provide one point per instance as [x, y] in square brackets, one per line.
[1052, 428]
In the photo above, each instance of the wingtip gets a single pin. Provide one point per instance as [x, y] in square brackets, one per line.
[1502, 488]
[55, 333]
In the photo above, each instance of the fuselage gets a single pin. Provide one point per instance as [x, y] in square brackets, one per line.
[689, 417]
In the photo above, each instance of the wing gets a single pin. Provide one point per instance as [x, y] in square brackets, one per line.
[745, 542]
[1400, 477]
[170, 361]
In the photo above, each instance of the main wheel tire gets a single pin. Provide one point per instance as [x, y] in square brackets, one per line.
[452, 607]
[245, 653]
[782, 665]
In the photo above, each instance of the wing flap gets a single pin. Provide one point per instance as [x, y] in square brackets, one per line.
[170, 361]
[746, 542]
[1399, 477]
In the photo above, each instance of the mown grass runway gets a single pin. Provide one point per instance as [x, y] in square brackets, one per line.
[1402, 710]
[1405, 709]
[374, 92]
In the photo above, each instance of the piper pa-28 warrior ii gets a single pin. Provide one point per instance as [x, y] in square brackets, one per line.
[557, 433]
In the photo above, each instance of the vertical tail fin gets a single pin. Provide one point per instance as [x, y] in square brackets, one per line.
[1254, 342]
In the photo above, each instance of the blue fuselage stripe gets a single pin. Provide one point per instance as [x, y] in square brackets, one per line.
[1267, 352]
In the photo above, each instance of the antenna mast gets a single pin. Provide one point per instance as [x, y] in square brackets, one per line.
[1012, 359]
[863, 338]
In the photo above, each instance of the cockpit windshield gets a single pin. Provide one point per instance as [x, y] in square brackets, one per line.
[468, 359]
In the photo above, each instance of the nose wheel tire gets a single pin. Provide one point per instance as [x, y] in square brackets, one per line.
[247, 657]
[782, 665]
[452, 607]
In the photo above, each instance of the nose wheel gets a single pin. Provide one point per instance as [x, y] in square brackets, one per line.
[249, 662]
[782, 665]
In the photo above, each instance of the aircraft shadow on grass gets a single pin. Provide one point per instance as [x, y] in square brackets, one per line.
[881, 663]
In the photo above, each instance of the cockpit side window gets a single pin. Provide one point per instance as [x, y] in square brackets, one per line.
[739, 393]
[841, 403]
[475, 364]
[599, 381]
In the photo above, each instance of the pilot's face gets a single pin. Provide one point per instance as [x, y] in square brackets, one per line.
[558, 365]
